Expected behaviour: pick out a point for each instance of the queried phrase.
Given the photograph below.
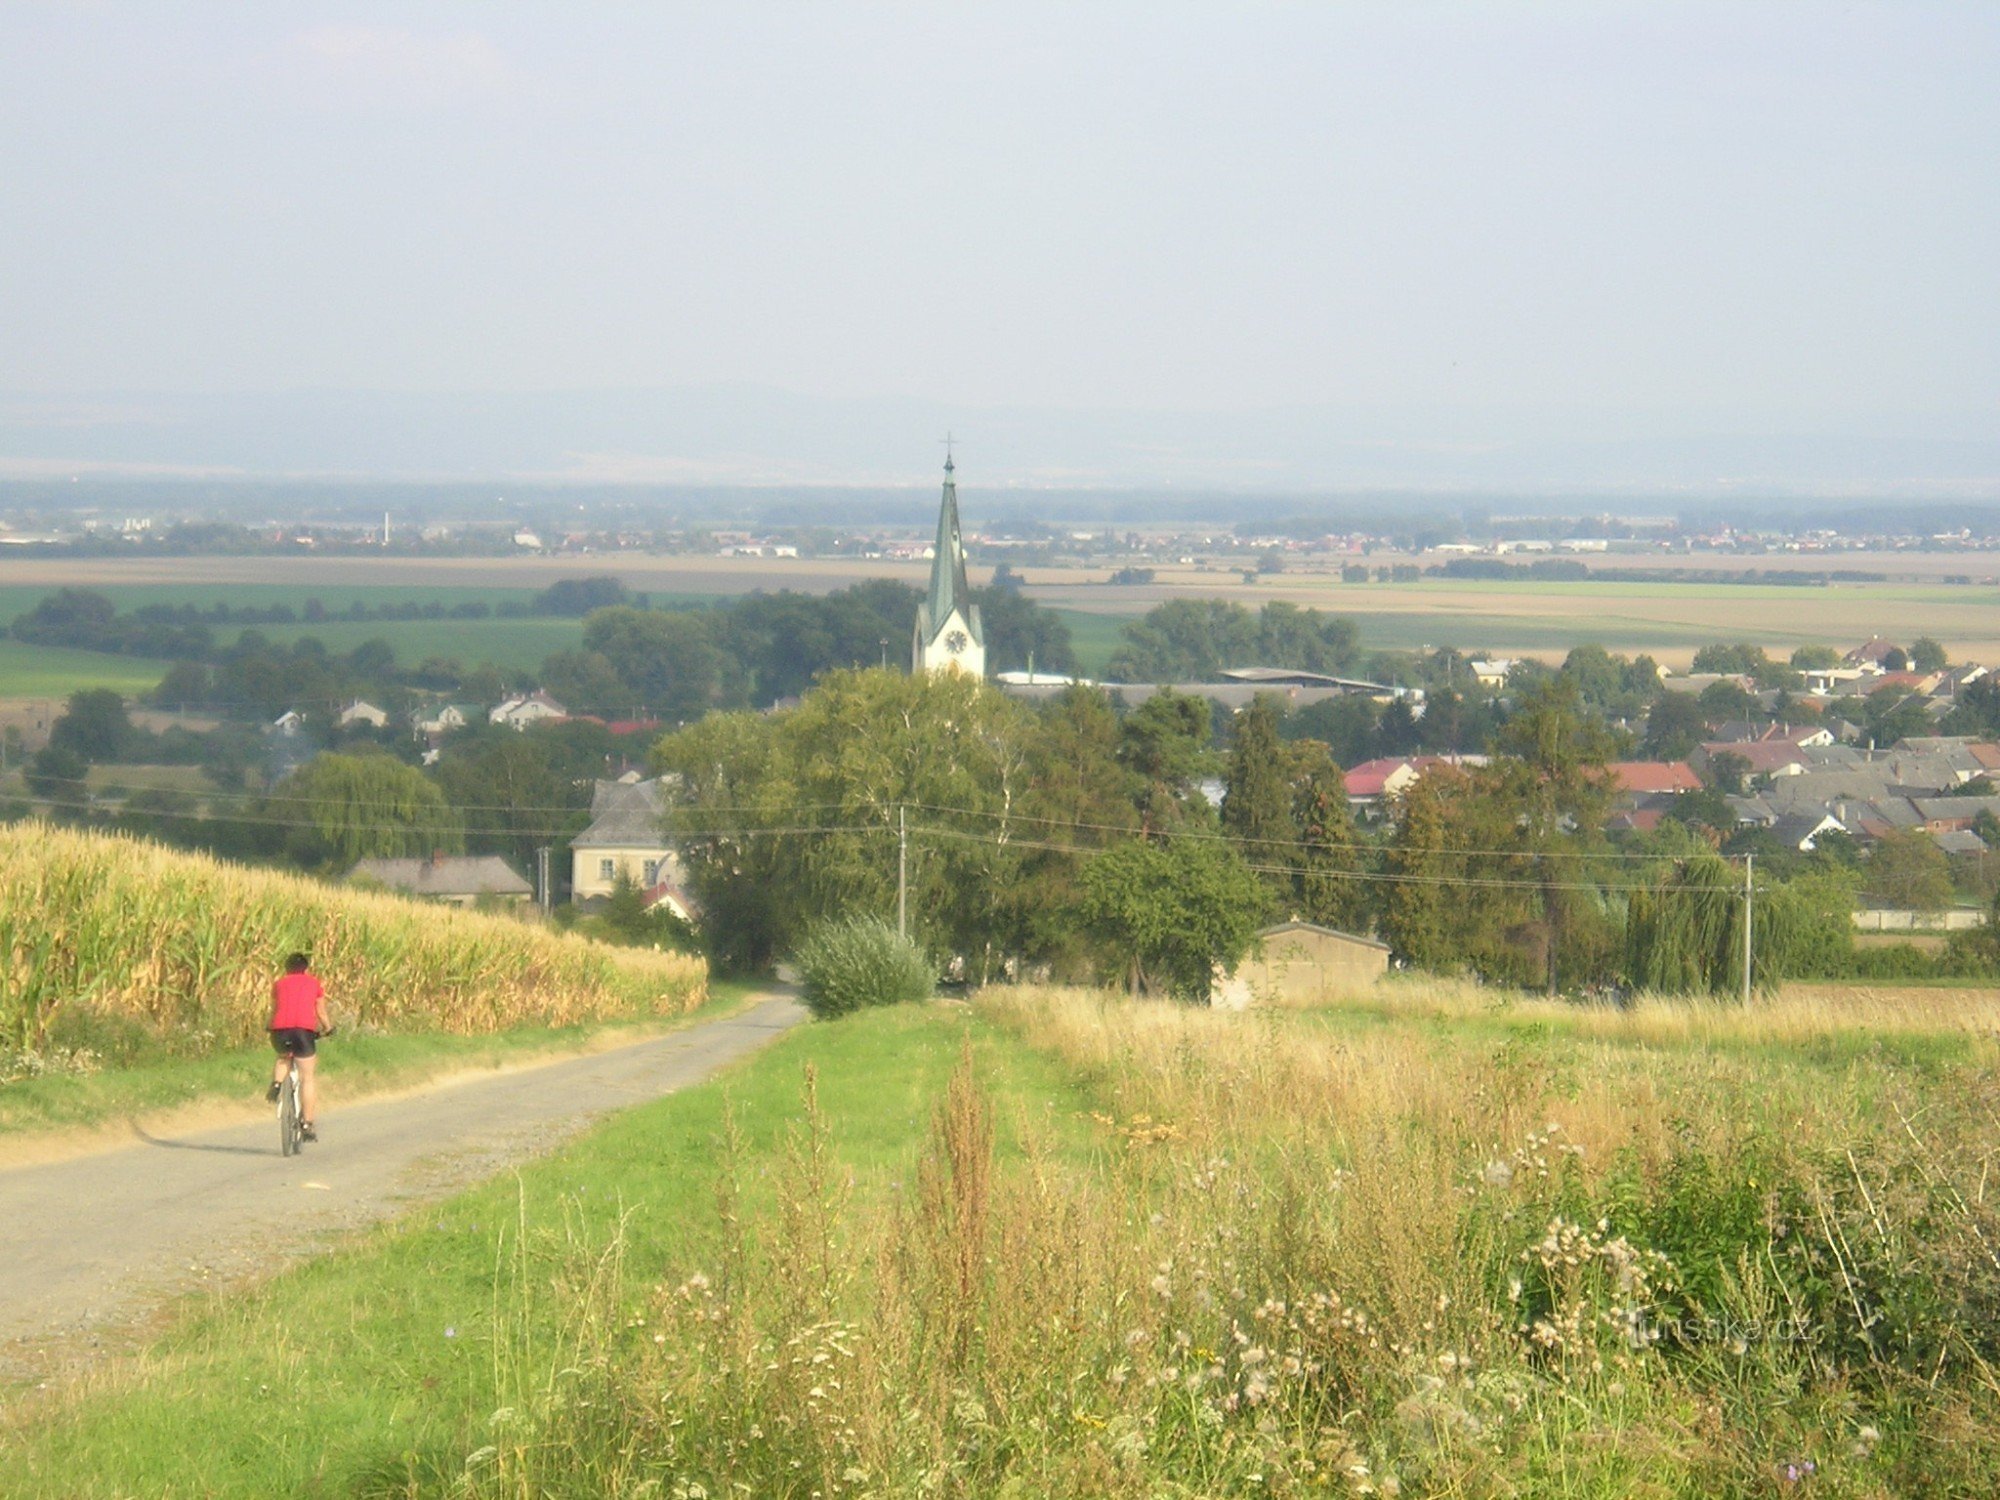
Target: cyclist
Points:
(298, 1017)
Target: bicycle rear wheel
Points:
(288, 1116)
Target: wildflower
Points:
(1497, 1173)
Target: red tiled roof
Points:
(1646, 776)
(1370, 777)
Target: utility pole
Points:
(1749, 885)
(902, 872)
(542, 877)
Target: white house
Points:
(519, 713)
(361, 711)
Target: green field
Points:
(55, 672)
(1093, 637)
(513, 645)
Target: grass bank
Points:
(1064, 1244)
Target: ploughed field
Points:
(1430, 1240)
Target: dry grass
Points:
(1425, 1253)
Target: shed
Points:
(1302, 963)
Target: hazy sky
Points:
(1595, 219)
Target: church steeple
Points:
(949, 633)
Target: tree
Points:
(1020, 631)
(1168, 913)
(1079, 798)
(790, 819)
(512, 798)
(1328, 888)
(1725, 773)
(1815, 658)
(1185, 640)
(1675, 726)
(1346, 725)
(579, 596)
(345, 808)
(1165, 743)
(1926, 655)
(1891, 716)
(94, 725)
(669, 661)
(1723, 700)
(1684, 935)
(56, 775)
(1558, 782)
(1977, 711)
(1257, 799)
(1908, 872)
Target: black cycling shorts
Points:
(298, 1041)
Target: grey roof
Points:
(449, 875)
(1752, 809)
(1957, 807)
(1894, 812)
(1960, 841)
(1798, 830)
(624, 813)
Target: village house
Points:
(626, 840)
(531, 708)
(361, 711)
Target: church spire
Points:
(949, 589)
(949, 631)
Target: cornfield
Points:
(188, 946)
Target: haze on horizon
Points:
(1265, 245)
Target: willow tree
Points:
(1684, 933)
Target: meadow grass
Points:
(1065, 1244)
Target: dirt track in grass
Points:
(90, 1247)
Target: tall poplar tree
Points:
(1257, 802)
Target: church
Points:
(950, 636)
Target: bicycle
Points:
(291, 1114)
(291, 1108)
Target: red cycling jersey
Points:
(295, 1003)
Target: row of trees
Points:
(1077, 841)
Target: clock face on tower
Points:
(956, 642)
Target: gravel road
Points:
(89, 1247)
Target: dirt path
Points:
(89, 1247)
